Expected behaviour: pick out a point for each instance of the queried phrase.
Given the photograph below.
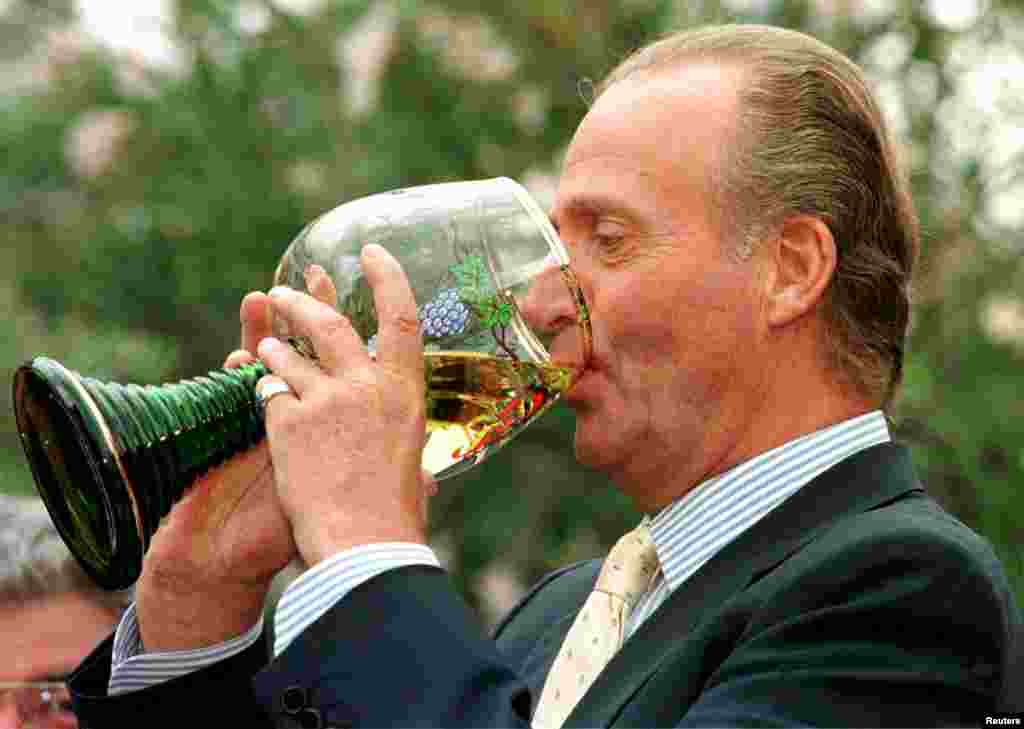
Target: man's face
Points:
(677, 318)
(43, 640)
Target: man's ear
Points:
(800, 263)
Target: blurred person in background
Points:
(744, 237)
(51, 616)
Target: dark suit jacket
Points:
(857, 602)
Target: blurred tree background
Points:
(143, 192)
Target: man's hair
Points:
(810, 139)
(35, 563)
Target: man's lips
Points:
(580, 389)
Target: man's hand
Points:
(347, 442)
(209, 567)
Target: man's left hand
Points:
(346, 444)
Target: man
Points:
(744, 241)
(51, 616)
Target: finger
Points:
(399, 342)
(272, 388)
(320, 285)
(238, 358)
(300, 373)
(334, 340)
(257, 319)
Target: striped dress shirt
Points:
(686, 534)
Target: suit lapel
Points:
(862, 482)
(533, 632)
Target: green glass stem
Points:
(110, 460)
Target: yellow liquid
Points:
(477, 402)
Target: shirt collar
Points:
(691, 530)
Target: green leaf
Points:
(504, 314)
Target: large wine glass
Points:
(505, 332)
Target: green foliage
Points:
(138, 206)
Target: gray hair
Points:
(35, 562)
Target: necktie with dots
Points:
(599, 628)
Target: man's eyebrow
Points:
(594, 204)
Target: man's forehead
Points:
(50, 635)
(650, 133)
(697, 86)
(695, 101)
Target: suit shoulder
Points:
(910, 549)
(906, 575)
(912, 530)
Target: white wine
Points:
(477, 402)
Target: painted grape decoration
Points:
(444, 316)
(448, 313)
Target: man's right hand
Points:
(208, 569)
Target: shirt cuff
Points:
(132, 669)
(318, 589)
(305, 600)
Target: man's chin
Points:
(585, 392)
(591, 444)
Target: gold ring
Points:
(268, 389)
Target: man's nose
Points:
(555, 311)
(548, 305)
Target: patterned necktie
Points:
(599, 628)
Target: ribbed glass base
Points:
(110, 460)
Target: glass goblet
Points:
(505, 332)
(504, 326)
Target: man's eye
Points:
(608, 229)
(608, 242)
(608, 237)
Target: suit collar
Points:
(863, 482)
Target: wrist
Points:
(173, 616)
(324, 540)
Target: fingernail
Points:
(278, 291)
(268, 345)
(373, 250)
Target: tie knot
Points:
(629, 567)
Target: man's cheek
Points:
(650, 355)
